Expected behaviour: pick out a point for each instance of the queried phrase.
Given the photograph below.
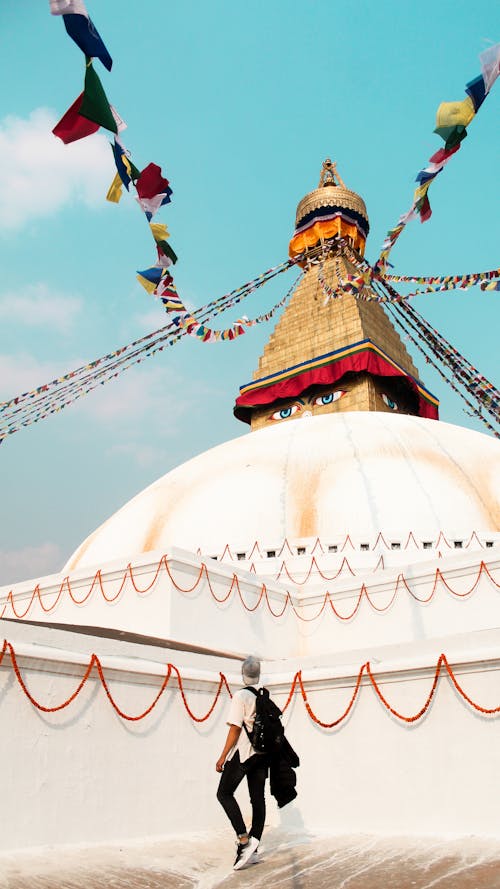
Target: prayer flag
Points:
(159, 230)
(153, 274)
(425, 210)
(163, 260)
(126, 169)
(119, 154)
(452, 136)
(152, 205)
(95, 105)
(82, 30)
(115, 190)
(153, 190)
(476, 89)
(151, 182)
(148, 285)
(426, 175)
(73, 126)
(60, 7)
(449, 114)
(490, 65)
(165, 247)
(443, 155)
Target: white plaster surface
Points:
(399, 604)
(357, 473)
(84, 774)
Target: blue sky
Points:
(239, 104)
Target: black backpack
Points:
(267, 734)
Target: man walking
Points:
(243, 761)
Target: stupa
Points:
(358, 474)
(355, 551)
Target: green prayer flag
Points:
(95, 105)
(165, 247)
(452, 136)
(134, 172)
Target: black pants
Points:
(255, 768)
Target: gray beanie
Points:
(250, 670)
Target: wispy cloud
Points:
(22, 372)
(29, 561)
(141, 392)
(140, 413)
(40, 175)
(37, 305)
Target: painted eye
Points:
(389, 402)
(285, 412)
(329, 397)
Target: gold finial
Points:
(329, 174)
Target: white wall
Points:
(85, 775)
(196, 618)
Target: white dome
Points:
(346, 473)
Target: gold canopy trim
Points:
(327, 196)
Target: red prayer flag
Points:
(74, 126)
(425, 210)
(443, 154)
(151, 183)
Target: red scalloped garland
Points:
(365, 669)
(235, 584)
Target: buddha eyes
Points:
(389, 402)
(329, 397)
(285, 412)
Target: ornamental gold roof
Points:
(331, 191)
(327, 196)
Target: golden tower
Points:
(332, 351)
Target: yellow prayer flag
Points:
(150, 286)
(159, 230)
(115, 190)
(452, 114)
(421, 190)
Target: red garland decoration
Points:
(297, 681)
(235, 584)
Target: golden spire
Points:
(329, 354)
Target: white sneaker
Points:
(245, 853)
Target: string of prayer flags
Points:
(443, 279)
(355, 284)
(43, 401)
(452, 120)
(92, 110)
(170, 298)
(490, 285)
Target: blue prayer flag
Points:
(82, 30)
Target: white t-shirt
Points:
(242, 710)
